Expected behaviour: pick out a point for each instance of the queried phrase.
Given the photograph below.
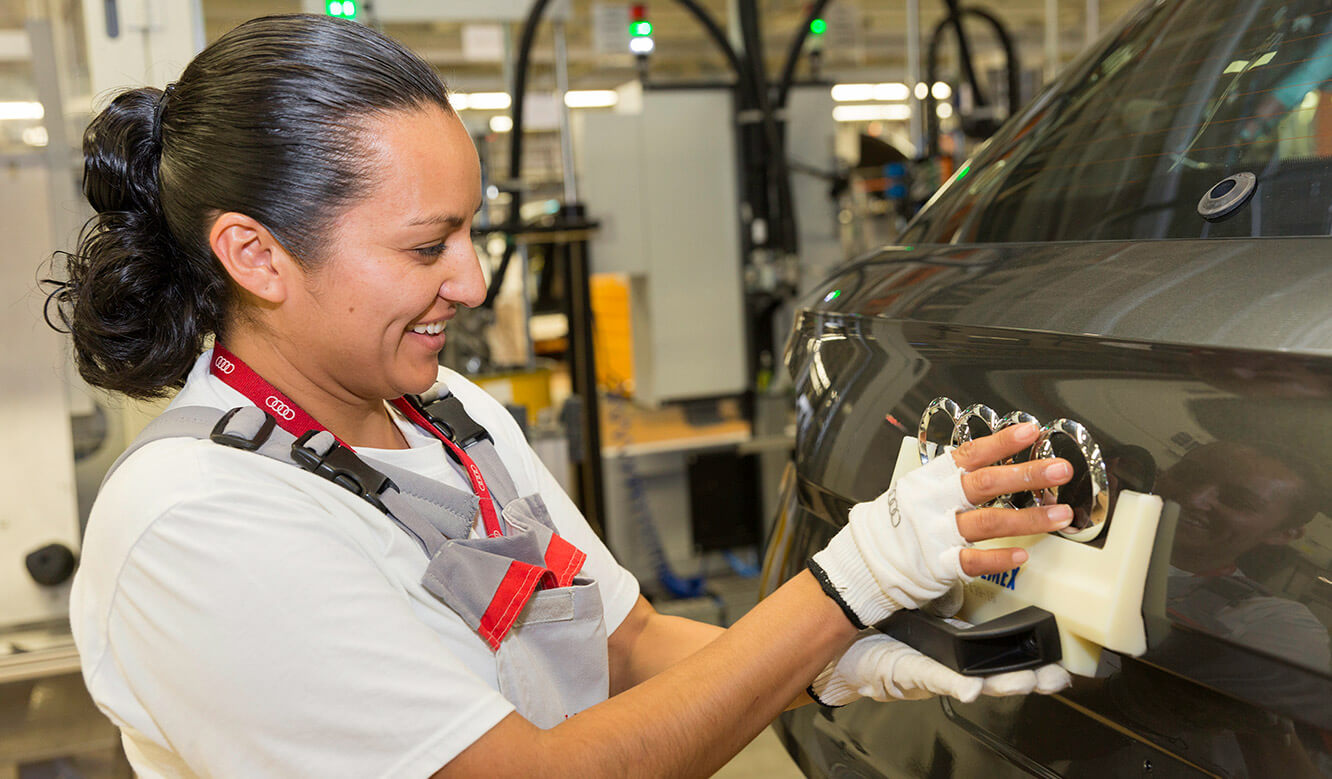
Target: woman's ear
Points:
(252, 256)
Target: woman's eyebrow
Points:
(452, 220)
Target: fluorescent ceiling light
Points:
(944, 110)
(480, 101)
(922, 91)
(852, 93)
(36, 136)
(21, 109)
(941, 91)
(870, 113)
(591, 98)
(501, 124)
(889, 91)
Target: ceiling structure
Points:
(866, 40)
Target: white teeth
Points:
(434, 328)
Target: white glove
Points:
(899, 551)
(884, 669)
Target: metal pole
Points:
(1051, 39)
(583, 372)
(913, 76)
(566, 136)
(525, 268)
(63, 202)
(1093, 21)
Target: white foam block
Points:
(1094, 593)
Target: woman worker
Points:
(342, 579)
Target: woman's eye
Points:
(432, 251)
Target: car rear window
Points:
(1181, 96)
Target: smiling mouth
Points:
(429, 328)
(1194, 521)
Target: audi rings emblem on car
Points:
(979, 420)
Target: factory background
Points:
(660, 200)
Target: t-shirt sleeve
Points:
(266, 645)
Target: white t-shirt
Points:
(236, 616)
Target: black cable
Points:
(516, 144)
(954, 18)
(718, 37)
(1012, 66)
(525, 44)
(793, 54)
(779, 183)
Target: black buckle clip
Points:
(453, 421)
(221, 436)
(344, 468)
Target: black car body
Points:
(1066, 271)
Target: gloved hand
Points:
(901, 550)
(907, 547)
(884, 669)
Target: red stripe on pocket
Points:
(517, 586)
(563, 562)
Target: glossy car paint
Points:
(1203, 367)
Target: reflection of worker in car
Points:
(1289, 93)
(1234, 498)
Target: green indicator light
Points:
(831, 296)
(640, 29)
(818, 26)
(349, 9)
(334, 8)
(961, 174)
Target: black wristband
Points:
(815, 697)
(831, 591)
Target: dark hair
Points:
(264, 122)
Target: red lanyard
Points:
(290, 417)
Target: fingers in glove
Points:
(946, 605)
(917, 672)
(1052, 678)
(983, 484)
(1011, 683)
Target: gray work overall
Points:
(520, 591)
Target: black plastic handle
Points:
(1027, 638)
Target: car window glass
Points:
(1135, 134)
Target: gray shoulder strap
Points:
(425, 508)
(447, 412)
(182, 422)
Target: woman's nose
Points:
(1204, 497)
(468, 286)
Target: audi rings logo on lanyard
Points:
(276, 405)
(979, 420)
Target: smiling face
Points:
(367, 321)
(1232, 498)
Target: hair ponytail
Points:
(138, 307)
(265, 122)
